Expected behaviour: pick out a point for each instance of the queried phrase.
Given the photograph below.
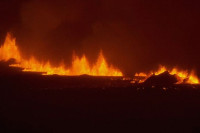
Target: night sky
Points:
(134, 35)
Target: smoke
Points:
(134, 35)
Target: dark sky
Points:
(134, 35)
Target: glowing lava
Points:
(80, 66)
(182, 76)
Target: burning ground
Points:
(81, 66)
(179, 76)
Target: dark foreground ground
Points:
(35, 103)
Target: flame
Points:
(80, 66)
(9, 49)
(182, 76)
(141, 74)
(160, 70)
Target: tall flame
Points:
(79, 66)
(9, 49)
(182, 76)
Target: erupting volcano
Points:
(93, 66)
(80, 66)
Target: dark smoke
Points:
(135, 35)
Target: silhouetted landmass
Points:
(30, 102)
(163, 79)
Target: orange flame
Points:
(141, 74)
(79, 65)
(182, 76)
(9, 49)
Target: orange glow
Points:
(141, 74)
(182, 76)
(9, 49)
(79, 65)
(160, 70)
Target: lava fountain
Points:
(80, 66)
